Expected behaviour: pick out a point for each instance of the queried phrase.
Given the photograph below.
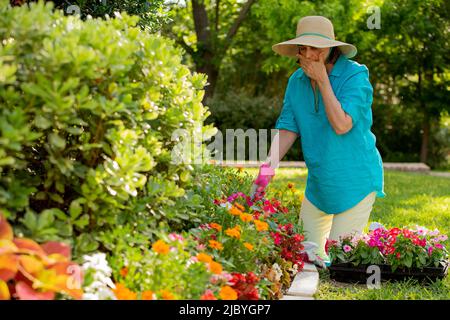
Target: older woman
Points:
(327, 104)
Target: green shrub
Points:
(88, 109)
(238, 110)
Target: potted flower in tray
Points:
(400, 253)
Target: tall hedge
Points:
(87, 111)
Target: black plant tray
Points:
(347, 272)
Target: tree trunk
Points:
(211, 50)
(425, 138)
(213, 74)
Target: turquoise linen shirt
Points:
(342, 169)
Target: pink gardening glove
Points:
(265, 175)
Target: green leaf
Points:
(408, 261)
(41, 122)
(45, 219)
(56, 141)
(75, 208)
(30, 220)
(86, 243)
(82, 221)
(56, 197)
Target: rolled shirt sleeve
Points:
(356, 95)
(286, 120)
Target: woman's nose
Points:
(308, 53)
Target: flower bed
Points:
(399, 253)
(248, 250)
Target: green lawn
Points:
(411, 198)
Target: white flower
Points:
(226, 205)
(100, 288)
(277, 270)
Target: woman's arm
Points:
(340, 121)
(281, 144)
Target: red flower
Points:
(208, 295)
(252, 278)
(330, 243)
(406, 233)
(277, 238)
(244, 285)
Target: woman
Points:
(327, 104)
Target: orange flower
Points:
(261, 225)
(147, 295)
(234, 211)
(290, 185)
(124, 272)
(246, 217)
(161, 247)
(203, 257)
(123, 293)
(167, 295)
(228, 293)
(233, 232)
(239, 206)
(215, 245)
(215, 267)
(249, 246)
(216, 226)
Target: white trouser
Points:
(318, 226)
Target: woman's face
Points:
(312, 52)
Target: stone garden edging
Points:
(305, 284)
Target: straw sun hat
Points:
(314, 31)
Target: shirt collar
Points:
(336, 71)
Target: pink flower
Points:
(430, 251)
(201, 247)
(174, 236)
(347, 248)
(439, 246)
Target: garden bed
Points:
(348, 273)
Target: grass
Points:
(411, 198)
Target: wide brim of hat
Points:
(289, 48)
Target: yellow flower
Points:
(167, 295)
(161, 247)
(234, 211)
(215, 245)
(216, 226)
(147, 295)
(246, 217)
(239, 206)
(228, 293)
(203, 257)
(233, 232)
(215, 267)
(290, 185)
(261, 225)
(123, 293)
(249, 246)
(301, 197)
